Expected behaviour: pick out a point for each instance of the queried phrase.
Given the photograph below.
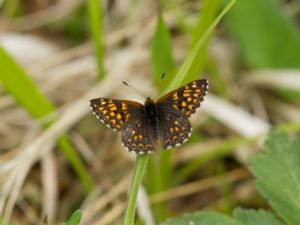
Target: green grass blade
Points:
(205, 18)
(18, 84)
(161, 54)
(26, 93)
(185, 69)
(95, 12)
(140, 166)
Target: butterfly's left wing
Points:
(115, 113)
(186, 99)
(136, 135)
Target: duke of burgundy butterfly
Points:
(163, 122)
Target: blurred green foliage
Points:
(266, 37)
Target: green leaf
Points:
(253, 217)
(75, 218)
(23, 89)
(161, 53)
(266, 38)
(278, 175)
(203, 218)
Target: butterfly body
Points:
(164, 121)
(151, 111)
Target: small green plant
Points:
(74, 219)
(277, 172)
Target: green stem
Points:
(140, 166)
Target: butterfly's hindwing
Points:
(175, 129)
(137, 136)
(186, 99)
(114, 113)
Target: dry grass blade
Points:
(198, 186)
(143, 207)
(54, 13)
(91, 209)
(49, 180)
(235, 117)
(111, 215)
(289, 79)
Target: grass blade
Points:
(185, 69)
(161, 54)
(27, 94)
(95, 12)
(205, 18)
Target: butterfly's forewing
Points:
(174, 109)
(136, 135)
(129, 117)
(174, 127)
(186, 99)
(115, 113)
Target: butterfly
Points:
(163, 122)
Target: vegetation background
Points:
(55, 157)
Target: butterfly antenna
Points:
(158, 83)
(125, 83)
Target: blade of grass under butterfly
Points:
(141, 161)
(22, 88)
(205, 18)
(95, 12)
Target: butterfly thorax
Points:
(151, 111)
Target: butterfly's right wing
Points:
(186, 99)
(174, 128)
(115, 113)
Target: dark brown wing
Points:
(137, 137)
(115, 113)
(174, 128)
(186, 99)
(130, 118)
